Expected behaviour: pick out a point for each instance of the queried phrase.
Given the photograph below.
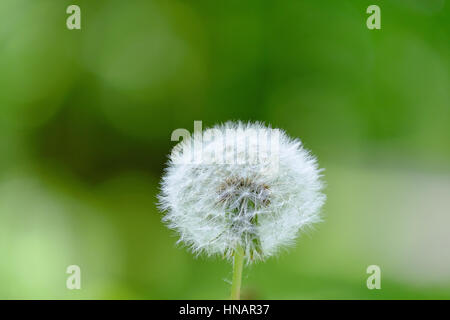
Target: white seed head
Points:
(240, 185)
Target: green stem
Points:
(238, 262)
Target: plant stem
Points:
(238, 262)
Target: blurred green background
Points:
(85, 124)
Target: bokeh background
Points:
(86, 117)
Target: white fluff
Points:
(241, 185)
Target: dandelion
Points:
(241, 191)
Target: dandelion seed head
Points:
(240, 185)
